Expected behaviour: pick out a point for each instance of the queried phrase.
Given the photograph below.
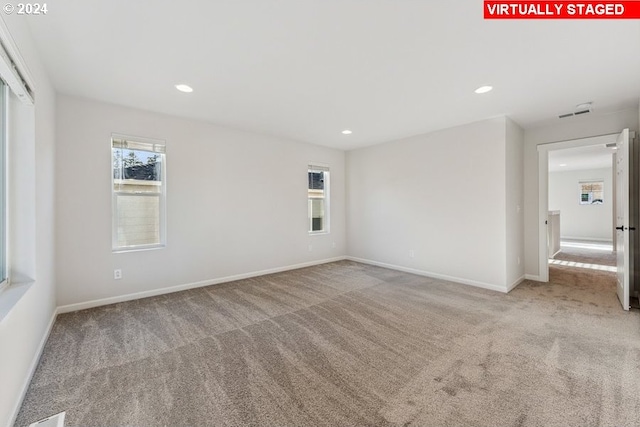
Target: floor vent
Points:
(56, 420)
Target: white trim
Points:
(556, 253)
(154, 292)
(475, 283)
(139, 248)
(533, 277)
(543, 213)
(594, 239)
(32, 367)
(10, 295)
(133, 138)
(516, 283)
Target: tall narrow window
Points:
(139, 189)
(4, 274)
(318, 195)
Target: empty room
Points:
(319, 213)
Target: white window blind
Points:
(14, 78)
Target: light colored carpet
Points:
(346, 344)
(586, 255)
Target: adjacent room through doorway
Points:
(589, 213)
(581, 207)
(581, 198)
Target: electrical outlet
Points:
(412, 253)
(117, 274)
(518, 260)
(333, 245)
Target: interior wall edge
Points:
(32, 368)
(515, 283)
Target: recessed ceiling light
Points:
(184, 88)
(484, 89)
(563, 164)
(346, 132)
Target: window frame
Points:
(325, 170)
(5, 275)
(161, 195)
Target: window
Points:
(318, 195)
(139, 188)
(16, 194)
(591, 192)
(4, 274)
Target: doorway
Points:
(581, 202)
(584, 254)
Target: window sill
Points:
(138, 249)
(10, 296)
(317, 233)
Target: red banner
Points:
(562, 10)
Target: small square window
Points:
(591, 192)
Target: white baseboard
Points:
(475, 283)
(594, 239)
(32, 367)
(154, 292)
(516, 283)
(533, 277)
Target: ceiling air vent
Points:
(580, 109)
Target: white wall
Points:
(441, 195)
(514, 178)
(31, 229)
(236, 203)
(567, 129)
(588, 222)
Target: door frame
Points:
(543, 191)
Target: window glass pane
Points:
(316, 180)
(138, 219)
(317, 214)
(137, 171)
